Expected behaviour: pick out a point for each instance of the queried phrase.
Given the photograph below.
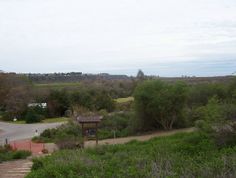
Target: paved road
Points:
(22, 131)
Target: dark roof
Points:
(89, 119)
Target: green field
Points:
(52, 120)
(57, 85)
(48, 120)
(180, 155)
(124, 100)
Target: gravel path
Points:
(139, 138)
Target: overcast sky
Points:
(162, 37)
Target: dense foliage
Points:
(217, 120)
(159, 103)
(116, 125)
(15, 94)
(181, 155)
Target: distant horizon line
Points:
(106, 73)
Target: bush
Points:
(69, 143)
(158, 103)
(20, 154)
(32, 116)
(217, 120)
(225, 135)
(62, 133)
(6, 154)
(118, 124)
(37, 164)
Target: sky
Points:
(161, 37)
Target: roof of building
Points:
(89, 119)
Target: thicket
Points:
(159, 103)
(116, 125)
(165, 105)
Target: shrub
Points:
(118, 124)
(6, 153)
(69, 143)
(20, 154)
(217, 122)
(37, 164)
(62, 133)
(159, 103)
(32, 116)
(225, 134)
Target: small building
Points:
(41, 105)
(89, 125)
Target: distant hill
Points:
(79, 76)
(196, 80)
(72, 77)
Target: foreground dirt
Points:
(139, 138)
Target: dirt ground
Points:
(139, 138)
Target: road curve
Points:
(22, 131)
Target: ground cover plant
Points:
(7, 154)
(180, 155)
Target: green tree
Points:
(58, 102)
(140, 75)
(159, 103)
(15, 93)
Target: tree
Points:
(16, 102)
(104, 101)
(159, 103)
(15, 93)
(58, 102)
(140, 75)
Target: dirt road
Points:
(139, 138)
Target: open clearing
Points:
(124, 100)
(57, 85)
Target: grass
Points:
(48, 120)
(180, 155)
(58, 85)
(124, 100)
(53, 120)
(18, 122)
